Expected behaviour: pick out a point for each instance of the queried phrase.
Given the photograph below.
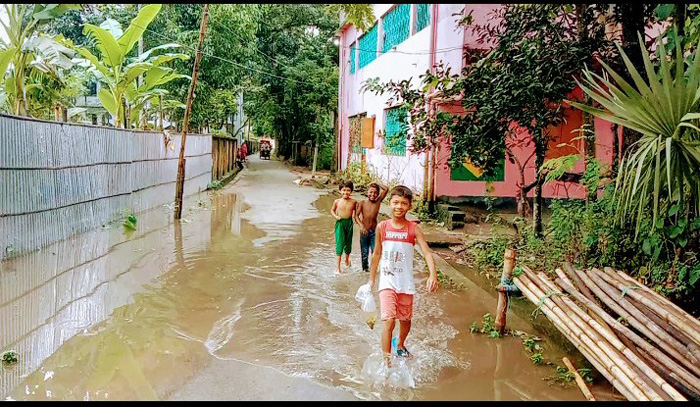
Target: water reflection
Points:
(49, 296)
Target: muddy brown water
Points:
(248, 276)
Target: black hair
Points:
(346, 184)
(373, 185)
(403, 191)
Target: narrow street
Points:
(241, 303)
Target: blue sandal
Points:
(402, 352)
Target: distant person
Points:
(393, 257)
(244, 151)
(343, 211)
(366, 217)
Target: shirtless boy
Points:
(343, 211)
(366, 217)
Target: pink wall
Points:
(563, 133)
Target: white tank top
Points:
(396, 264)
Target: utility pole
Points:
(313, 170)
(180, 185)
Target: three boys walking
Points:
(391, 242)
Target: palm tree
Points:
(663, 166)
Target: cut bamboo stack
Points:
(646, 347)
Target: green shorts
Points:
(343, 236)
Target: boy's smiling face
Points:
(346, 192)
(399, 205)
(372, 194)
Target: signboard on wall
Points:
(368, 132)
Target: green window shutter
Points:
(368, 47)
(422, 16)
(396, 26)
(353, 50)
(396, 129)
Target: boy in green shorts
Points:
(343, 210)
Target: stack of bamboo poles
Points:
(647, 347)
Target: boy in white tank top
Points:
(393, 257)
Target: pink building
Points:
(407, 40)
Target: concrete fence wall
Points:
(60, 179)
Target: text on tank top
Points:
(396, 264)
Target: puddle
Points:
(251, 278)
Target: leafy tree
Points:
(26, 48)
(297, 87)
(228, 52)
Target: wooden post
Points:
(579, 380)
(508, 265)
(180, 185)
(214, 150)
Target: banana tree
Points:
(23, 46)
(138, 97)
(118, 72)
(664, 165)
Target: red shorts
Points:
(395, 305)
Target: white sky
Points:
(3, 16)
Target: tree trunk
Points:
(180, 185)
(537, 207)
(334, 165)
(632, 23)
(616, 151)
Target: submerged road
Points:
(240, 302)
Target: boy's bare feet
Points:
(338, 270)
(347, 261)
(387, 359)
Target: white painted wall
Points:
(410, 59)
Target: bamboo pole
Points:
(604, 292)
(678, 334)
(633, 314)
(584, 331)
(653, 301)
(579, 380)
(661, 300)
(180, 185)
(587, 353)
(671, 377)
(570, 281)
(673, 331)
(576, 281)
(670, 318)
(644, 371)
(523, 284)
(506, 276)
(668, 364)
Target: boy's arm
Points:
(432, 283)
(356, 214)
(376, 256)
(383, 190)
(333, 208)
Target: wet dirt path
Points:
(240, 301)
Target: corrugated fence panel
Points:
(60, 179)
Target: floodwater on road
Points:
(247, 277)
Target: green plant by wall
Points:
(10, 357)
